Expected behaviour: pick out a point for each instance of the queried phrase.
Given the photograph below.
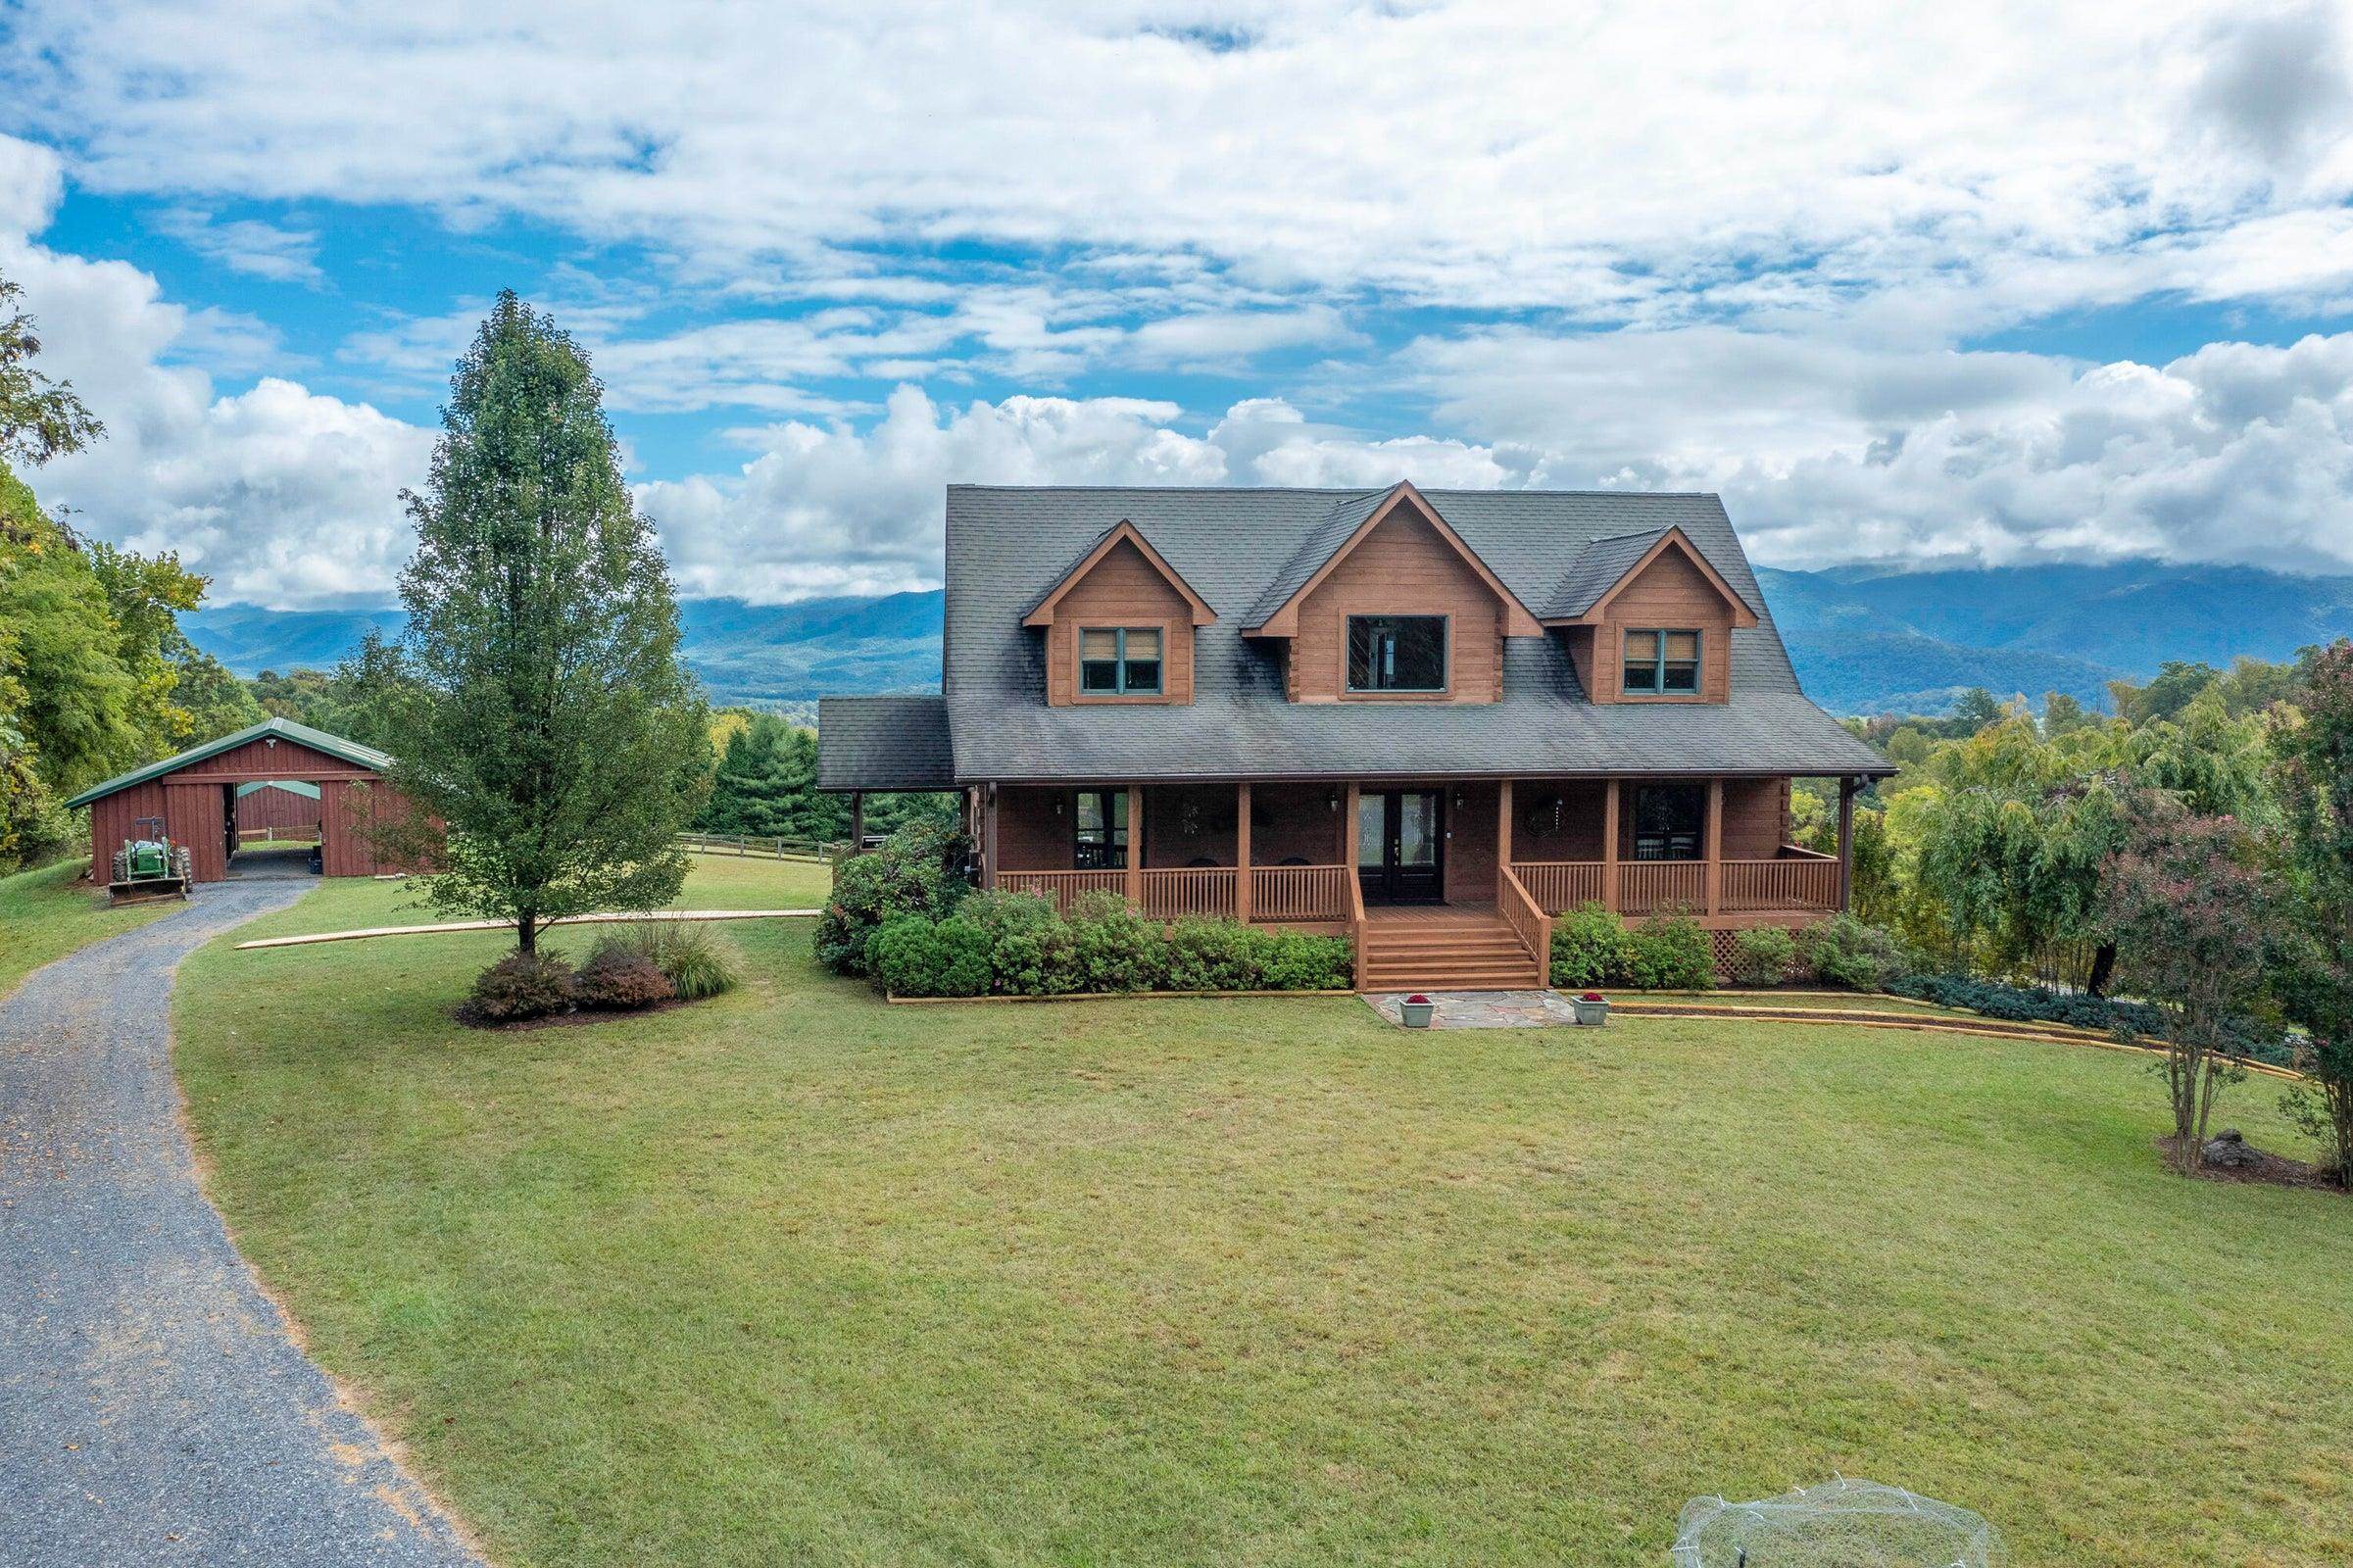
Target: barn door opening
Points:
(274, 828)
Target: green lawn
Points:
(46, 914)
(794, 1276)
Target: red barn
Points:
(197, 797)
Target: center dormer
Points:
(1386, 604)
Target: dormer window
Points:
(1396, 653)
(1662, 662)
(1119, 662)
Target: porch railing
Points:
(1173, 893)
(1558, 885)
(1795, 881)
(1063, 887)
(1299, 892)
(1534, 926)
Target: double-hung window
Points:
(1119, 662)
(1662, 664)
(1396, 653)
(1100, 840)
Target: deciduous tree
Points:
(537, 710)
(2314, 777)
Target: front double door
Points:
(1400, 845)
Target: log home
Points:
(1434, 720)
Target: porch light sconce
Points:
(1332, 802)
(1057, 807)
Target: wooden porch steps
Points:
(1450, 950)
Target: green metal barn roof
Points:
(292, 786)
(318, 740)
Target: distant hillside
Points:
(767, 653)
(1864, 639)
(1870, 640)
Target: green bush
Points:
(915, 957)
(1763, 956)
(1670, 953)
(1300, 961)
(519, 986)
(618, 977)
(2079, 1010)
(1851, 953)
(1118, 948)
(916, 871)
(1205, 954)
(1590, 948)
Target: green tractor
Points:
(151, 865)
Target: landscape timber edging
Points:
(897, 1001)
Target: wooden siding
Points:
(1122, 589)
(1188, 822)
(1403, 568)
(271, 757)
(1470, 844)
(1672, 594)
(114, 818)
(271, 806)
(1030, 837)
(1756, 817)
(199, 821)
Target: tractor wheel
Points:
(122, 866)
(183, 866)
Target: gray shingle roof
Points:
(883, 743)
(1238, 548)
(1598, 569)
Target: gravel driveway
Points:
(153, 1408)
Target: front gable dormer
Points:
(1386, 603)
(1649, 619)
(1119, 625)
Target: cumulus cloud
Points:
(1644, 163)
(284, 497)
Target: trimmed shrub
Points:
(1762, 956)
(1300, 961)
(697, 960)
(519, 986)
(618, 977)
(1590, 948)
(1117, 949)
(1670, 953)
(1853, 953)
(916, 871)
(1207, 955)
(914, 956)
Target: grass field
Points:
(795, 1276)
(46, 914)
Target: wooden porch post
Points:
(1609, 847)
(1502, 832)
(1715, 845)
(988, 835)
(1845, 844)
(1135, 844)
(1241, 853)
(1347, 829)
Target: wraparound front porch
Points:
(1715, 849)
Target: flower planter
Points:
(1415, 1011)
(1592, 1010)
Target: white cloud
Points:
(1651, 161)
(246, 244)
(282, 496)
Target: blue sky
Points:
(2003, 285)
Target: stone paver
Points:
(154, 1407)
(1481, 1009)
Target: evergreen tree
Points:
(545, 735)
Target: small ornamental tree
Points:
(2313, 774)
(2187, 899)
(543, 732)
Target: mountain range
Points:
(1865, 639)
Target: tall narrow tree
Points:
(546, 739)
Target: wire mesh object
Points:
(1839, 1524)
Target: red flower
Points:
(1592, 996)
